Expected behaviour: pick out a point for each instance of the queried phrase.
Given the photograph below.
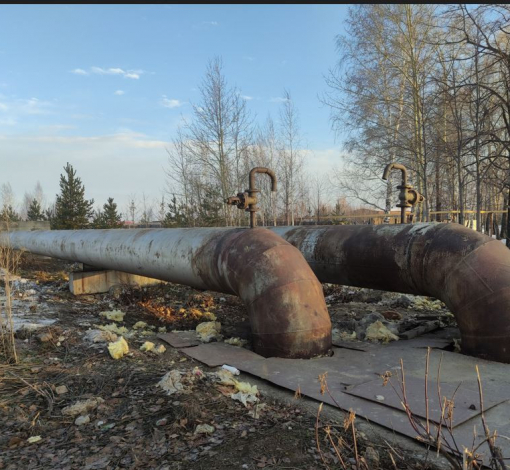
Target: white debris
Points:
(80, 420)
(82, 407)
(236, 342)
(100, 336)
(208, 330)
(61, 389)
(204, 429)
(231, 369)
(244, 398)
(34, 439)
(378, 332)
(171, 382)
(225, 377)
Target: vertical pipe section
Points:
(468, 271)
(285, 302)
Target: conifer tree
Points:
(110, 216)
(72, 210)
(34, 211)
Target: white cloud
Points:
(79, 72)
(119, 92)
(127, 160)
(210, 23)
(278, 99)
(133, 74)
(34, 106)
(14, 108)
(170, 103)
(246, 97)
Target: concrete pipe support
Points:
(468, 271)
(285, 302)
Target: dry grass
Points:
(441, 435)
(9, 264)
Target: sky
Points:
(105, 87)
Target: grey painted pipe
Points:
(468, 271)
(285, 302)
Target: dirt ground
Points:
(132, 422)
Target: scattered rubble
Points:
(147, 346)
(379, 332)
(100, 336)
(61, 390)
(113, 315)
(160, 349)
(82, 407)
(114, 328)
(171, 382)
(81, 420)
(152, 417)
(204, 429)
(236, 342)
(140, 325)
(118, 349)
(208, 331)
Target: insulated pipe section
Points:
(468, 271)
(285, 302)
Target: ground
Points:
(134, 423)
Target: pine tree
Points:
(34, 211)
(98, 220)
(175, 216)
(72, 210)
(110, 216)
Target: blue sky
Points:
(104, 87)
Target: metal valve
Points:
(408, 196)
(248, 199)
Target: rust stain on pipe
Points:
(285, 302)
(468, 271)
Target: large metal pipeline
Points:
(468, 271)
(285, 302)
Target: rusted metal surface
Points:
(356, 371)
(467, 402)
(248, 199)
(468, 271)
(180, 339)
(285, 302)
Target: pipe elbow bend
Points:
(284, 298)
(477, 290)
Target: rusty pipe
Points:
(395, 166)
(267, 171)
(284, 299)
(468, 271)
(252, 191)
